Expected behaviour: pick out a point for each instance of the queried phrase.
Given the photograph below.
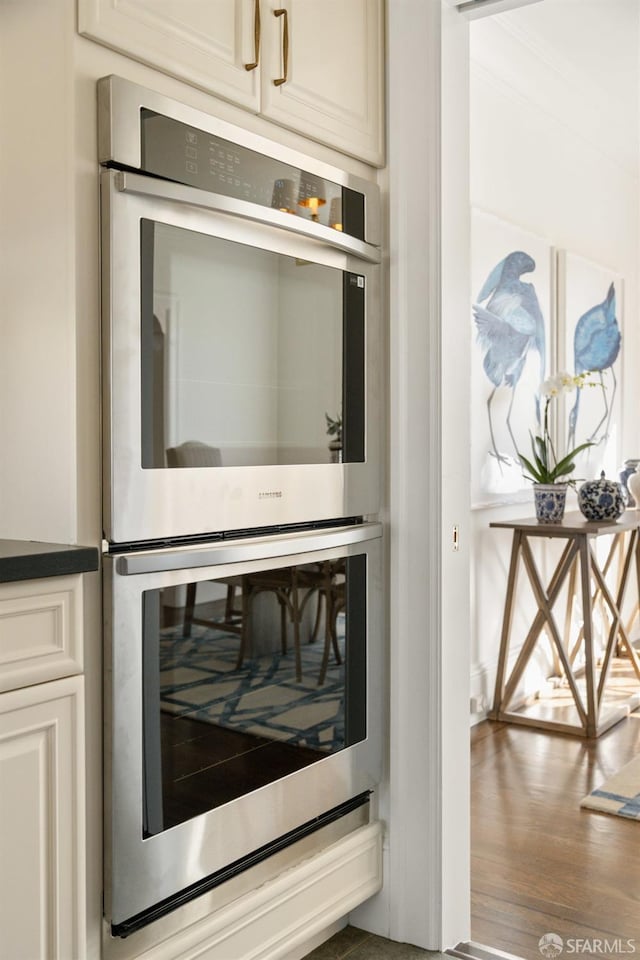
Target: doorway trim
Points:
(428, 877)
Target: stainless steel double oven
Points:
(242, 573)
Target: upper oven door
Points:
(242, 360)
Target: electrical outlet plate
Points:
(478, 704)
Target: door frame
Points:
(427, 883)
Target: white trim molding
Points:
(427, 885)
(284, 918)
(415, 815)
(474, 9)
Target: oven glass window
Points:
(248, 679)
(248, 357)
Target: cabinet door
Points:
(42, 892)
(335, 72)
(205, 42)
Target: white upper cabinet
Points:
(333, 63)
(314, 66)
(205, 42)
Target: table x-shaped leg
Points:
(618, 633)
(545, 599)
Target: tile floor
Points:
(353, 944)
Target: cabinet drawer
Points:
(40, 630)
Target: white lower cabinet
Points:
(42, 879)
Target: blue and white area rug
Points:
(620, 794)
(198, 678)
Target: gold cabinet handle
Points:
(285, 46)
(256, 37)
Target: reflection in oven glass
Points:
(246, 680)
(242, 352)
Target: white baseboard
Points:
(287, 917)
(482, 684)
(374, 915)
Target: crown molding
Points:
(475, 9)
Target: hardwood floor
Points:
(540, 863)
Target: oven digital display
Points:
(176, 151)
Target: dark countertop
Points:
(32, 560)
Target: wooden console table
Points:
(578, 559)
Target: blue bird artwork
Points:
(596, 347)
(509, 325)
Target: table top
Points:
(572, 524)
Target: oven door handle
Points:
(140, 185)
(258, 548)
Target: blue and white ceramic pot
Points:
(601, 499)
(633, 484)
(628, 470)
(549, 500)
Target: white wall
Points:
(555, 150)
(37, 274)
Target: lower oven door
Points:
(243, 704)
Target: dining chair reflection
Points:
(293, 588)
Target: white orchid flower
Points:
(562, 382)
(545, 466)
